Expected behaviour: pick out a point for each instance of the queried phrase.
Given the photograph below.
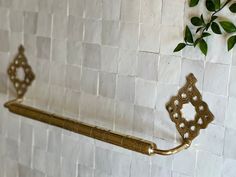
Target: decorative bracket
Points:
(189, 94)
(20, 61)
(187, 129)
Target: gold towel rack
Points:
(187, 129)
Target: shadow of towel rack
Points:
(187, 129)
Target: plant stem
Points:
(204, 29)
(228, 1)
(188, 44)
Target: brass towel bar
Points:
(125, 141)
(187, 129)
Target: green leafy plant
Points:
(205, 28)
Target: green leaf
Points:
(193, 3)
(197, 41)
(210, 5)
(229, 27)
(205, 34)
(198, 29)
(203, 21)
(196, 21)
(179, 47)
(188, 35)
(217, 4)
(208, 25)
(203, 46)
(213, 18)
(215, 28)
(232, 8)
(231, 42)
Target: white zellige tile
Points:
(218, 106)
(216, 75)
(130, 10)
(16, 21)
(139, 167)
(232, 84)
(93, 9)
(109, 59)
(110, 33)
(111, 9)
(173, 19)
(208, 165)
(124, 117)
(4, 17)
(145, 93)
(195, 67)
(44, 26)
(229, 168)
(4, 36)
(150, 11)
(126, 95)
(229, 144)
(149, 38)
(127, 62)
(84, 171)
(169, 38)
(107, 84)
(211, 139)
(230, 121)
(129, 35)
(76, 7)
(147, 67)
(169, 69)
(92, 31)
(184, 162)
(217, 51)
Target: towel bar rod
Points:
(125, 141)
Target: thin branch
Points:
(228, 1)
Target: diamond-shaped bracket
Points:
(189, 94)
(20, 61)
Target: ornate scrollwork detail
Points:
(20, 61)
(189, 94)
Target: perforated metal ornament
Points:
(189, 94)
(20, 61)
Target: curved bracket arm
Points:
(184, 145)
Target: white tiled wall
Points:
(111, 63)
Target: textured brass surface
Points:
(187, 94)
(125, 141)
(20, 61)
